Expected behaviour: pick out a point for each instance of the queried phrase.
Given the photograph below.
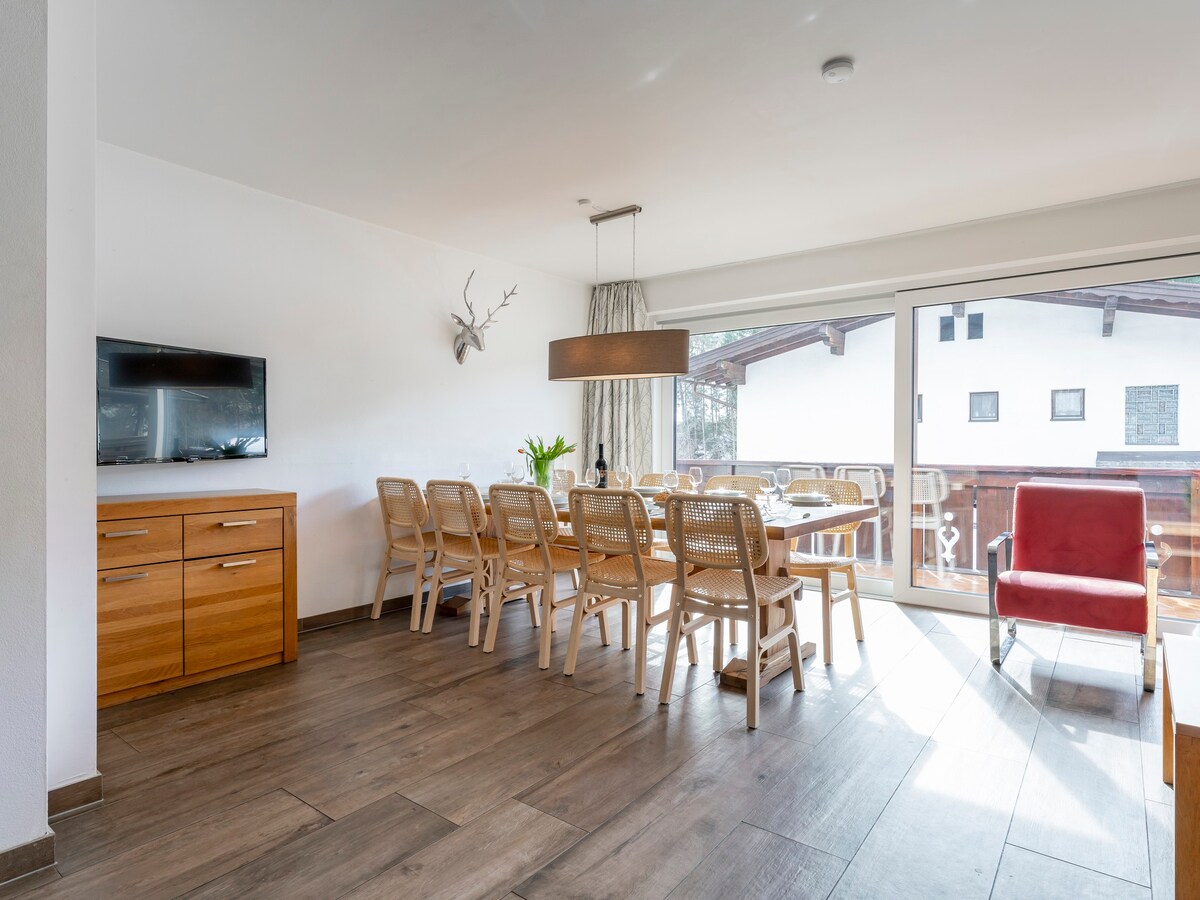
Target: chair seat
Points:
(460, 547)
(562, 559)
(618, 571)
(816, 561)
(1076, 600)
(407, 543)
(722, 586)
(566, 538)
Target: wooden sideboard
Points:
(191, 587)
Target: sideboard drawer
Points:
(233, 609)
(139, 625)
(237, 531)
(139, 542)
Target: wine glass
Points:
(624, 478)
(589, 477)
(783, 477)
(769, 477)
(520, 470)
(697, 475)
(671, 480)
(464, 471)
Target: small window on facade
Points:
(920, 408)
(985, 406)
(974, 326)
(947, 332)
(1152, 414)
(1066, 405)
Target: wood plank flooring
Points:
(390, 764)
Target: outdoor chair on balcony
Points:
(1076, 556)
(930, 489)
(873, 482)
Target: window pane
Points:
(1138, 383)
(974, 326)
(947, 326)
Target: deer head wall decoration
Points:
(471, 335)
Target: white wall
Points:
(1138, 225)
(354, 322)
(71, 394)
(23, 376)
(808, 404)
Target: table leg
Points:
(1168, 727)
(1187, 816)
(778, 660)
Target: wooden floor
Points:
(391, 764)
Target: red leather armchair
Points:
(1077, 555)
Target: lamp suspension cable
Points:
(597, 225)
(633, 265)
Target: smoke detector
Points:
(838, 71)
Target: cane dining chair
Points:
(725, 540)
(655, 479)
(529, 561)
(750, 485)
(821, 567)
(873, 483)
(807, 470)
(405, 515)
(614, 527)
(465, 552)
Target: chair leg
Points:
(497, 605)
(719, 645)
(534, 616)
(640, 653)
(476, 612)
(753, 676)
(547, 594)
(603, 617)
(855, 609)
(577, 618)
(384, 572)
(674, 627)
(548, 608)
(693, 658)
(733, 632)
(1149, 657)
(414, 622)
(626, 624)
(827, 616)
(435, 591)
(794, 644)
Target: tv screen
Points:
(170, 404)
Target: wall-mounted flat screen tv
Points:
(156, 403)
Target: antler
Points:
(470, 308)
(508, 295)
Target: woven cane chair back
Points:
(750, 485)
(457, 507)
(562, 480)
(402, 504)
(612, 522)
(704, 531)
(841, 491)
(655, 479)
(524, 513)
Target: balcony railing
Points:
(980, 500)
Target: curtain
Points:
(617, 413)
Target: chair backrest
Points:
(929, 486)
(749, 485)
(807, 470)
(612, 522)
(1080, 529)
(524, 513)
(840, 490)
(456, 507)
(870, 478)
(655, 479)
(402, 504)
(716, 532)
(562, 480)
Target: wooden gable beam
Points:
(732, 373)
(834, 339)
(1110, 316)
(959, 309)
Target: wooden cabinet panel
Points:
(233, 609)
(139, 625)
(236, 531)
(138, 542)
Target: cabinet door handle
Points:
(235, 524)
(111, 578)
(134, 533)
(242, 562)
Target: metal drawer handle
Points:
(111, 578)
(244, 562)
(235, 524)
(109, 534)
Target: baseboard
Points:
(72, 797)
(351, 613)
(27, 858)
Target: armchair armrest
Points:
(1151, 556)
(1004, 540)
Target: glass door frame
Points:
(906, 304)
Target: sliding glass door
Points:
(1048, 378)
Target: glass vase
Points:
(541, 472)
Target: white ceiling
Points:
(478, 123)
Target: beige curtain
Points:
(617, 413)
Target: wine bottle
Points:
(601, 469)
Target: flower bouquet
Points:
(540, 458)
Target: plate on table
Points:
(725, 492)
(808, 500)
(647, 490)
(560, 500)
